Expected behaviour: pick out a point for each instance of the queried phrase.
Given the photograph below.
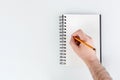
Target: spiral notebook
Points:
(69, 23)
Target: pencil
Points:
(86, 44)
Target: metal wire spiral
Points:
(62, 29)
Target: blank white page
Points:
(90, 24)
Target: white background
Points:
(29, 38)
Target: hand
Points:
(82, 50)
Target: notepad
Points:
(69, 23)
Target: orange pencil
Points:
(81, 41)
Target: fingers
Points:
(89, 36)
(72, 42)
(81, 35)
(78, 33)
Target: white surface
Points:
(29, 36)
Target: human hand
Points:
(83, 51)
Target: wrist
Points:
(92, 60)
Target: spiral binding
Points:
(62, 29)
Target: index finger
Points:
(80, 34)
